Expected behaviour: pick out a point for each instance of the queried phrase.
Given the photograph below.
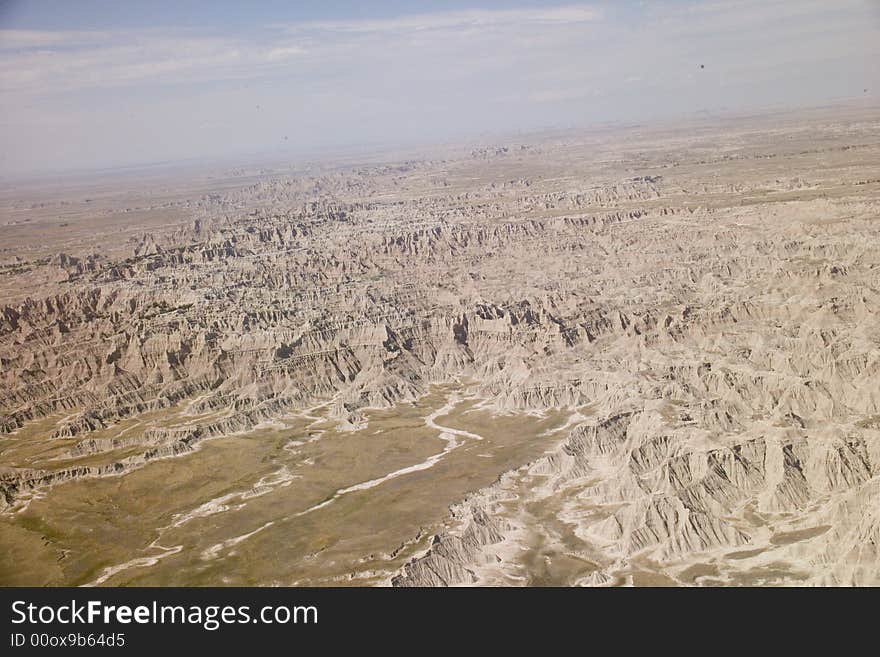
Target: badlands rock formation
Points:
(700, 305)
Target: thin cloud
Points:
(52, 62)
(139, 94)
(21, 39)
(455, 19)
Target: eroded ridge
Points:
(701, 307)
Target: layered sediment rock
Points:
(714, 322)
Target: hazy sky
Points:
(111, 82)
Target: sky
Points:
(103, 83)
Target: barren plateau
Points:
(643, 355)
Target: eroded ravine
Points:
(670, 352)
(237, 536)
